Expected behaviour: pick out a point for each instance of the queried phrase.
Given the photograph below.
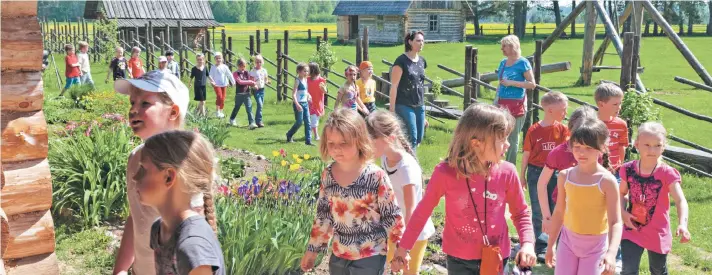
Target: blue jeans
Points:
(533, 173)
(260, 100)
(239, 100)
(86, 79)
(301, 117)
(414, 120)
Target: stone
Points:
(260, 157)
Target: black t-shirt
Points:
(118, 65)
(411, 88)
(201, 77)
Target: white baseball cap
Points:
(162, 59)
(158, 82)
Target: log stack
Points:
(27, 240)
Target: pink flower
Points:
(88, 132)
(224, 190)
(283, 153)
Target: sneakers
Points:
(289, 139)
(541, 257)
(619, 267)
(220, 114)
(233, 122)
(252, 126)
(310, 144)
(260, 125)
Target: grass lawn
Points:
(659, 57)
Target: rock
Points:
(260, 157)
(439, 269)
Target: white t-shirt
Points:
(222, 75)
(408, 172)
(260, 77)
(84, 62)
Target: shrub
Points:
(89, 173)
(77, 92)
(321, 18)
(325, 56)
(638, 108)
(105, 102)
(437, 87)
(232, 168)
(213, 129)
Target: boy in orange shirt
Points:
(72, 71)
(135, 66)
(608, 99)
(541, 138)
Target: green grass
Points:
(83, 252)
(660, 58)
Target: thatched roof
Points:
(161, 13)
(371, 8)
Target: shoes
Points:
(260, 125)
(619, 266)
(252, 126)
(317, 138)
(233, 122)
(221, 114)
(310, 144)
(541, 258)
(289, 139)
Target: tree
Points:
(286, 8)
(709, 23)
(485, 9)
(557, 13)
(520, 18)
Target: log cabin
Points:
(195, 17)
(388, 22)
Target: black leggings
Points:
(631, 260)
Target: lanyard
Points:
(643, 186)
(484, 199)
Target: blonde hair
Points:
(119, 48)
(352, 127)
(164, 98)
(483, 122)
(83, 44)
(191, 156)
(653, 128)
(553, 97)
(513, 41)
(135, 49)
(580, 116)
(606, 91)
(384, 124)
(258, 57)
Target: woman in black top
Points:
(200, 73)
(407, 87)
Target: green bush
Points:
(213, 129)
(638, 108)
(232, 168)
(89, 173)
(77, 92)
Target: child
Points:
(200, 73)
(561, 158)
(301, 104)
(608, 99)
(367, 86)
(163, 65)
(348, 96)
(589, 217)
(159, 103)
(540, 139)
(174, 167)
(72, 71)
(135, 67)
(220, 77)
(356, 203)
(242, 93)
(117, 67)
(404, 172)
(477, 186)
(316, 85)
(646, 187)
(84, 64)
(172, 64)
(261, 78)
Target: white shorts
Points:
(314, 121)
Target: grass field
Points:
(659, 57)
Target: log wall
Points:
(451, 24)
(27, 242)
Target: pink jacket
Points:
(462, 237)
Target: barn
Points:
(388, 22)
(195, 17)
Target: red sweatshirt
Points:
(462, 237)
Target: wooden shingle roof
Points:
(161, 13)
(371, 7)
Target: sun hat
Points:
(158, 82)
(364, 65)
(162, 59)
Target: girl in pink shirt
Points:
(477, 186)
(646, 187)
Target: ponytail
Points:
(606, 160)
(209, 208)
(406, 145)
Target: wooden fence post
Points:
(309, 34)
(534, 31)
(537, 76)
(635, 59)
(223, 43)
(482, 31)
(626, 60)
(163, 42)
(475, 91)
(318, 43)
(285, 64)
(279, 68)
(509, 29)
(573, 22)
(326, 35)
(365, 43)
(208, 46)
(266, 36)
(230, 55)
(589, 39)
(258, 41)
(468, 74)
(181, 64)
(358, 51)
(252, 45)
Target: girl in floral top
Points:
(356, 202)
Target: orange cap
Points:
(364, 65)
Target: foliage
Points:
(108, 41)
(242, 11)
(437, 87)
(325, 56)
(638, 108)
(89, 173)
(77, 92)
(105, 102)
(89, 247)
(232, 168)
(213, 129)
(321, 18)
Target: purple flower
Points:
(242, 190)
(255, 180)
(256, 189)
(283, 187)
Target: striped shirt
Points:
(361, 217)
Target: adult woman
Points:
(515, 77)
(407, 89)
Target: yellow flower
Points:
(307, 156)
(295, 156)
(294, 167)
(275, 153)
(299, 160)
(284, 163)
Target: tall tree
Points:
(557, 13)
(520, 18)
(286, 8)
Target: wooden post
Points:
(589, 38)
(482, 33)
(358, 51)
(94, 44)
(181, 64)
(365, 43)
(635, 58)
(152, 39)
(266, 36)
(626, 60)
(691, 59)
(279, 68)
(537, 77)
(132, 37)
(534, 31)
(309, 34)
(252, 45)
(318, 43)
(573, 23)
(223, 43)
(598, 56)
(229, 55)
(475, 91)
(285, 64)
(637, 8)
(138, 36)
(163, 42)
(208, 46)
(509, 29)
(326, 35)
(468, 74)
(259, 42)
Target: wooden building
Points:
(194, 17)
(388, 22)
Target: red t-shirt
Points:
(136, 67)
(540, 140)
(317, 104)
(69, 70)
(618, 131)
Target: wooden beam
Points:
(492, 76)
(365, 44)
(24, 136)
(467, 91)
(44, 264)
(598, 57)
(589, 37)
(537, 76)
(21, 44)
(565, 23)
(31, 233)
(14, 9)
(28, 187)
(679, 44)
(693, 84)
(626, 60)
(21, 91)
